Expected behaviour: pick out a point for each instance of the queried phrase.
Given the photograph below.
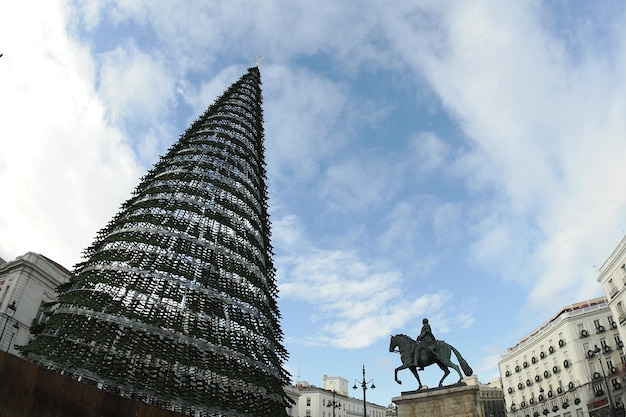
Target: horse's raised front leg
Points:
(399, 368)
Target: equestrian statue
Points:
(426, 351)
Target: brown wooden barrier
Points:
(28, 390)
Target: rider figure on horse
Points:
(426, 341)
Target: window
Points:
(596, 323)
(308, 401)
(5, 293)
(43, 313)
(621, 314)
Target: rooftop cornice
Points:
(612, 259)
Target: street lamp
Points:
(10, 313)
(14, 329)
(334, 404)
(608, 391)
(364, 386)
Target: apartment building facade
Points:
(332, 400)
(27, 286)
(612, 277)
(570, 366)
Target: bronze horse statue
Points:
(440, 355)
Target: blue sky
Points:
(456, 160)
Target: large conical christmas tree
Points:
(175, 302)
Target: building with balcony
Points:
(612, 277)
(27, 290)
(569, 366)
(294, 395)
(332, 400)
(490, 397)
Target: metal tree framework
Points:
(175, 302)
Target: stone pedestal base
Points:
(455, 401)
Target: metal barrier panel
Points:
(28, 390)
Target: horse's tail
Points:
(467, 370)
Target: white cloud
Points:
(431, 152)
(303, 121)
(58, 159)
(135, 84)
(139, 91)
(356, 302)
(403, 222)
(209, 91)
(201, 31)
(361, 182)
(546, 125)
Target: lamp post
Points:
(10, 313)
(14, 329)
(608, 391)
(364, 386)
(334, 404)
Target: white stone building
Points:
(567, 367)
(293, 393)
(612, 277)
(333, 400)
(27, 284)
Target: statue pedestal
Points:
(453, 401)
